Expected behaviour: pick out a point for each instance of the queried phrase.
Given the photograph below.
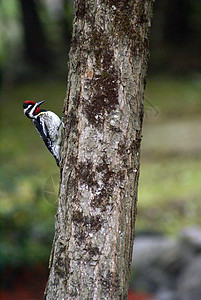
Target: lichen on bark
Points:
(94, 228)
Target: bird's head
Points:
(31, 108)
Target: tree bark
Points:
(94, 229)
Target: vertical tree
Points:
(36, 48)
(94, 229)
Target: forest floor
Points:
(169, 189)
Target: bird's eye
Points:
(25, 105)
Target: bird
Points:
(48, 125)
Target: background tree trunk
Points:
(35, 40)
(94, 229)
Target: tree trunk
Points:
(94, 229)
(35, 40)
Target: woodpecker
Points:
(48, 125)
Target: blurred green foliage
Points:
(26, 216)
(169, 194)
(169, 189)
(173, 97)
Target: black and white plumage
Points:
(48, 125)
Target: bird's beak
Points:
(39, 103)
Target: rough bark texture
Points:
(94, 231)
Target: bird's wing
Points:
(43, 131)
